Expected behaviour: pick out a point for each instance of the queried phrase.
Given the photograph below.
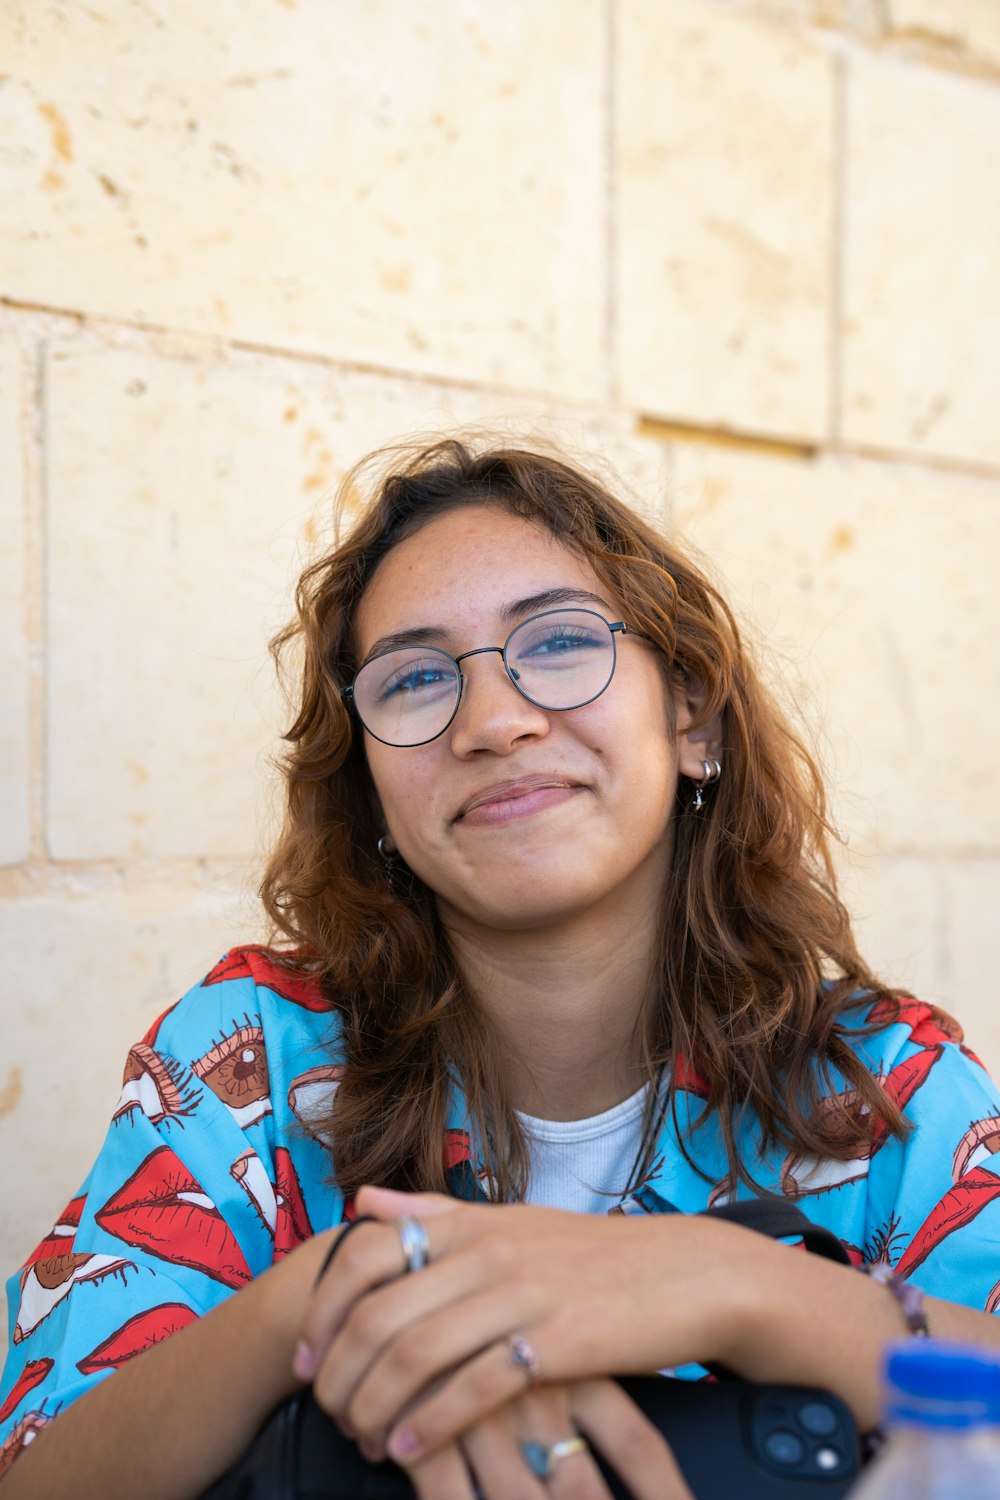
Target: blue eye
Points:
(561, 640)
(417, 679)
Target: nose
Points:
(492, 714)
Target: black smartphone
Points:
(733, 1441)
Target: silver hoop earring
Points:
(712, 770)
(385, 854)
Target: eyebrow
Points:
(428, 635)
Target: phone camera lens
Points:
(818, 1418)
(784, 1447)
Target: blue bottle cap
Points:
(934, 1383)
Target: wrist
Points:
(284, 1292)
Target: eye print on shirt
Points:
(20, 1436)
(34, 1372)
(156, 1086)
(163, 1210)
(45, 1283)
(137, 1335)
(258, 964)
(236, 1071)
(310, 1098)
(803, 1176)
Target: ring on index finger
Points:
(414, 1242)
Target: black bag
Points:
(733, 1439)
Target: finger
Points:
(367, 1260)
(387, 1203)
(421, 1320)
(478, 1384)
(544, 1416)
(442, 1476)
(633, 1447)
(495, 1457)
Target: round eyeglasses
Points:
(561, 659)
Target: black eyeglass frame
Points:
(618, 627)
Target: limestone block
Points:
(922, 297)
(184, 498)
(725, 158)
(875, 589)
(83, 978)
(390, 184)
(899, 913)
(968, 29)
(14, 824)
(973, 888)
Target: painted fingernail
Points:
(404, 1443)
(304, 1362)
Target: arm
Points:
(168, 1424)
(593, 1296)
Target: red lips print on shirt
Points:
(137, 1335)
(163, 1209)
(258, 964)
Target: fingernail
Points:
(304, 1362)
(404, 1443)
(369, 1451)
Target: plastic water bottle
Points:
(943, 1417)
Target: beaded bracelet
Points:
(909, 1297)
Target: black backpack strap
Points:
(779, 1219)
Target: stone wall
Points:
(744, 254)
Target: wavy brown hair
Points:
(756, 958)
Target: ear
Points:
(700, 744)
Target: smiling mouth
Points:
(504, 803)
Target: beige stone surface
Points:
(83, 978)
(395, 185)
(967, 29)
(900, 919)
(724, 137)
(973, 894)
(875, 588)
(183, 502)
(14, 668)
(922, 297)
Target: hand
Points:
(593, 1295)
(488, 1459)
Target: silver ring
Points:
(523, 1357)
(542, 1460)
(413, 1239)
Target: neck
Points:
(567, 1003)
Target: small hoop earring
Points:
(712, 770)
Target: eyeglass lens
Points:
(560, 659)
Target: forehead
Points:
(461, 570)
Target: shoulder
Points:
(906, 1037)
(257, 1032)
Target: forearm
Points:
(172, 1420)
(804, 1320)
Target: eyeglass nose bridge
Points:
(501, 651)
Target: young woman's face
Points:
(518, 817)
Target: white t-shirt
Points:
(584, 1165)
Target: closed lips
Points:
(509, 791)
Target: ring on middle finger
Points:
(414, 1242)
(542, 1458)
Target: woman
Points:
(558, 929)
